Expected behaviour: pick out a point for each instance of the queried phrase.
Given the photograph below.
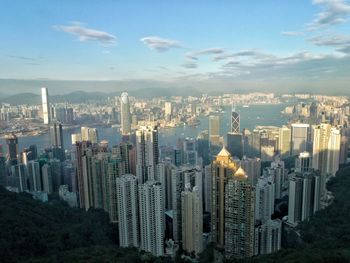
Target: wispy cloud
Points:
(160, 44)
(87, 34)
(190, 65)
(292, 33)
(334, 12)
(341, 43)
(208, 51)
(242, 53)
(25, 58)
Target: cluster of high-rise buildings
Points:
(166, 199)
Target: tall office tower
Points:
(89, 134)
(76, 137)
(192, 220)
(221, 168)
(12, 149)
(69, 115)
(313, 113)
(85, 134)
(214, 130)
(56, 133)
(168, 109)
(284, 142)
(333, 151)
(29, 154)
(45, 105)
(26, 156)
(252, 166)
(164, 176)
(33, 168)
(20, 174)
(207, 188)
(326, 148)
(267, 153)
(125, 114)
(117, 166)
(239, 216)
(46, 178)
(182, 176)
(34, 152)
(279, 174)
(344, 146)
(299, 138)
(304, 196)
(60, 115)
(79, 151)
(147, 153)
(235, 121)
(190, 154)
(128, 223)
(303, 163)
(93, 135)
(152, 225)
(264, 198)
(268, 237)
(235, 144)
(3, 171)
(56, 174)
(247, 143)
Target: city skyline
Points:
(299, 46)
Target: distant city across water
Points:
(254, 115)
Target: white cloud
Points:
(160, 44)
(88, 34)
(334, 12)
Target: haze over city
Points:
(227, 45)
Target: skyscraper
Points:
(89, 134)
(326, 148)
(222, 167)
(284, 141)
(304, 196)
(147, 153)
(239, 216)
(152, 217)
(235, 144)
(12, 149)
(235, 121)
(214, 129)
(45, 105)
(299, 138)
(125, 114)
(303, 163)
(168, 111)
(128, 216)
(192, 220)
(56, 133)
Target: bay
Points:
(268, 115)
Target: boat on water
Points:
(245, 106)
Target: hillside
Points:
(31, 231)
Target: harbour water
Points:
(250, 117)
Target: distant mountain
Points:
(73, 97)
(83, 96)
(79, 97)
(162, 92)
(22, 98)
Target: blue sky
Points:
(231, 44)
